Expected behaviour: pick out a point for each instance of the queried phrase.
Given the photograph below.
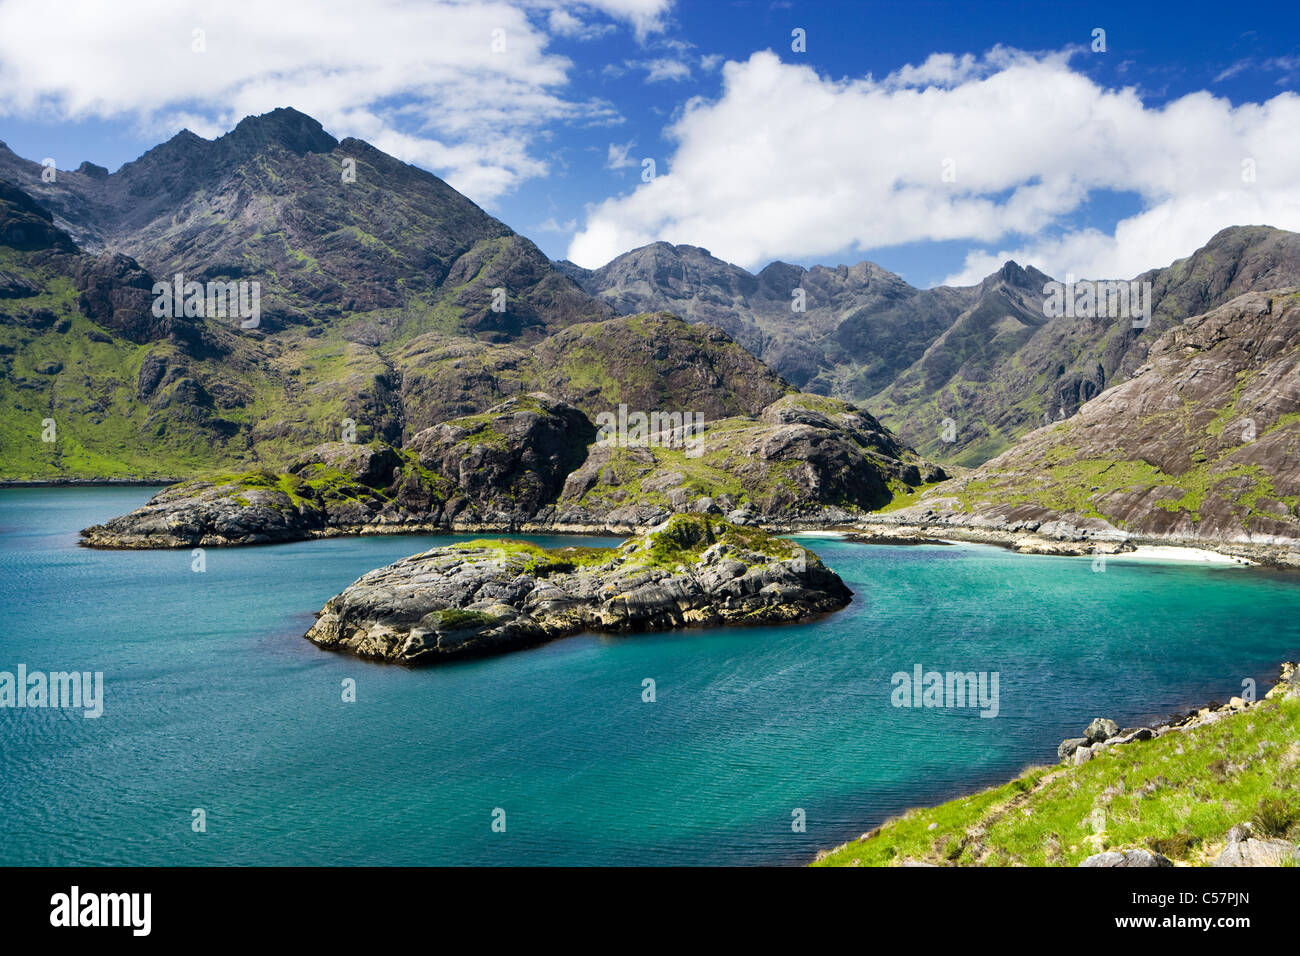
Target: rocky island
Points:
(492, 596)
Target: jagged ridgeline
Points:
(959, 373)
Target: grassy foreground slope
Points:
(1177, 795)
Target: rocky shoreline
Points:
(200, 514)
(492, 596)
(1059, 538)
(1103, 733)
(86, 482)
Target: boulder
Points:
(1101, 728)
(1139, 858)
(1068, 746)
(1256, 852)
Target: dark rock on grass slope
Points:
(533, 463)
(1200, 446)
(488, 597)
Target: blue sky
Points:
(1077, 160)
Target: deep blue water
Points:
(213, 700)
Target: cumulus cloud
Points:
(463, 89)
(999, 150)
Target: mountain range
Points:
(418, 363)
(985, 357)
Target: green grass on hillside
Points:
(1178, 795)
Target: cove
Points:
(213, 700)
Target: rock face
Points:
(520, 452)
(535, 463)
(1201, 445)
(488, 597)
(1243, 849)
(1101, 728)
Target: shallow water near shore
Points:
(214, 700)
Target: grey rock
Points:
(1101, 728)
(1132, 734)
(1129, 858)
(1255, 852)
(1068, 746)
(462, 601)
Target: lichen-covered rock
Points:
(1132, 858)
(1101, 728)
(492, 596)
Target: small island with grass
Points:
(496, 595)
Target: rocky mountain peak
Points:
(285, 127)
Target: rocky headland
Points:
(534, 463)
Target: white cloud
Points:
(787, 163)
(660, 69)
(618, 156)
(552, 225)
(418, 79)
(646, 16)
(563, 23)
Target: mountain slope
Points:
(393, 251)
(1201, 445)
(860, 326)
(379, 338)
(1068, 360)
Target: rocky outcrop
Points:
(489, 597)
(1243, 848)
(510, 462)
(805, 461)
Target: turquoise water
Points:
(213, 700)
